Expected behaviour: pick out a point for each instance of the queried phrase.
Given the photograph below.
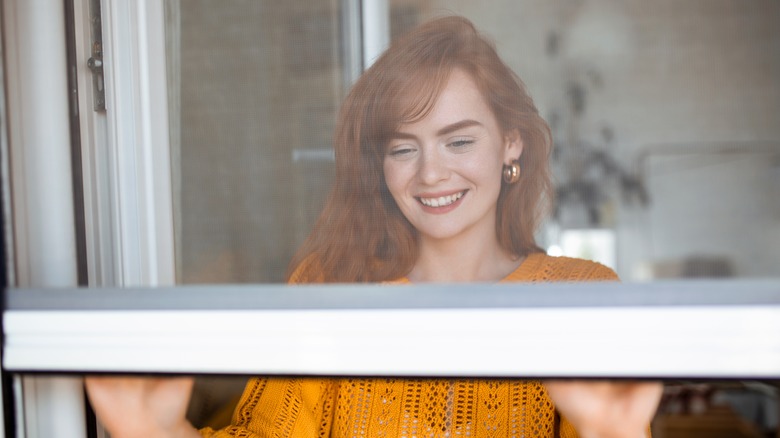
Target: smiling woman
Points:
(441, 170)
(444, 173)
(441, 84)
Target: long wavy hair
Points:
(361, 234)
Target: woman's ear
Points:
(513, 145)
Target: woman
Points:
(441, 176)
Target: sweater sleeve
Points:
(603, 273)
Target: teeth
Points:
(442, 200)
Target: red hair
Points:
(361, 235)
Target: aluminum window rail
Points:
(693, 329)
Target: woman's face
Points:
(444, 171)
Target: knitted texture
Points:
(340, 408)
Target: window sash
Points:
(693, 329)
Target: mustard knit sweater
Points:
(346, 407)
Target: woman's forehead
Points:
(458, 99)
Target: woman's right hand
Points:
(149, 407)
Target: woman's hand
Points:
(148, 407)
(606, 409)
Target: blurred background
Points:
(665, 117)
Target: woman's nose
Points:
(432, 167)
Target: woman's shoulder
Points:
(540, 267)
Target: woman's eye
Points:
(400, 151)
(461, 143)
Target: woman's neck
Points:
(477, 260)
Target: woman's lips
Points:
(441, 204)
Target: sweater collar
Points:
(524, 272)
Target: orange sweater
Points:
(345, 407)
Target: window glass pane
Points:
(254, 91)
(642, 103)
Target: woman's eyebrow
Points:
(398, 135)
(457, 125)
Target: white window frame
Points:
(126, 170)
(37, 179)
(134, 163)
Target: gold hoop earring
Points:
(511, 172)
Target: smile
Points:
(441, 201)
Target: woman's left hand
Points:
(606, 409)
